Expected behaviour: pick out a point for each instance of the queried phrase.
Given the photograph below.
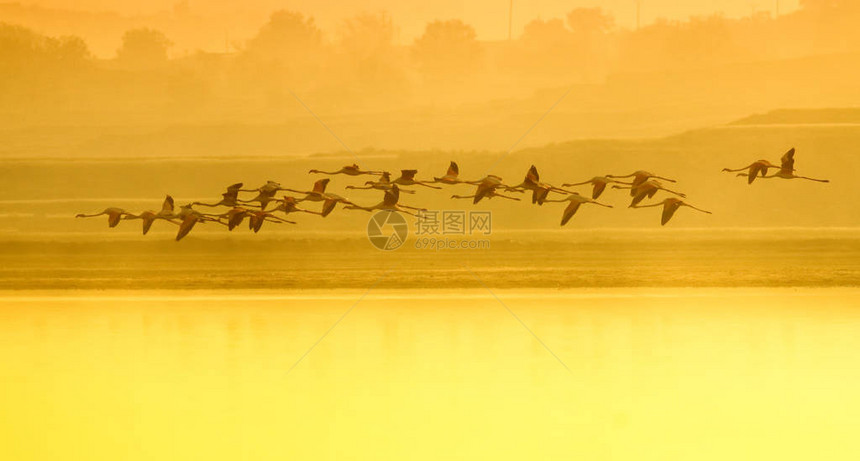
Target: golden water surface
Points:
(639, 374)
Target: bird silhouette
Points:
(599, 183)
(114, 215)
(786, 170)
(229, 198)
(575, 201)
(670, 206)
(646, 189)
(539, 189)
(407, 178)
(487, 189)
(390, 202)
(350, 170)
(150, 216)
(383, 184)
(452, 176)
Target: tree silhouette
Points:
(447, 46)
(144, 48)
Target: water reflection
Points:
(655, 374)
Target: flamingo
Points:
(670, 206)
(452, 176)
(786, 171)
(407, 178)
(389, 203)
(234, 216)
(289, 205)
(114, 215)
(190, 218)
(265, 193)
(575, 201)
(350, 170)
(331, 201)
(317, 194)
(599, 183)
(646, 189)
(150, 216)
(487, 188)
(539, 189)
(257, 218)
(383, 184)
(230, 198)
(639, 177)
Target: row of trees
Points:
(363, 61)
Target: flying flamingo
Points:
(150, 216)
(646, 189)
(539, 189)
(230, 198)
(599, 183)
(350, 170)
(575, 201)
(265, 193)
(234, 216)
(407, 178)
(257, 218)
(487, 188)
(114, 215)
(383, 184)
(289, 205)
(670, 206)
(317, 194)
(639, 177)
(786, 171)
(389, 203)
(452, 176)
(190, 218)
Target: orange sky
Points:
(489, 17)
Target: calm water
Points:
(755, 373)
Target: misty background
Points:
(130, 106)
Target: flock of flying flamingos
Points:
(643, 184)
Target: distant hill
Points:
(802, 117)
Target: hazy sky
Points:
(489, 17)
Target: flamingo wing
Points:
(408, 174)
(598, 189)
(453, 169)
(787, 161)
(320, 185)
(669, 209)
(167, 206)
(569, 212)
(114, 218)
(186, 226)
